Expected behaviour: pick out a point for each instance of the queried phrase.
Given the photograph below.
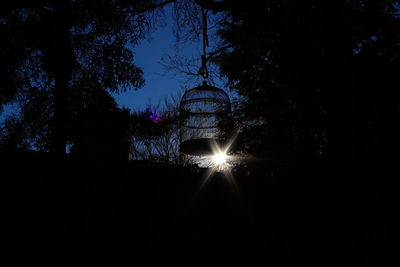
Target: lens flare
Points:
(220, 161)
(219, 158)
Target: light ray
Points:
(220, 161)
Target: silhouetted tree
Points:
(320, 75)
(100, 130)
(54, 53)
(155, 132)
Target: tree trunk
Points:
(63, 69)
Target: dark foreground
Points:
(77, 213)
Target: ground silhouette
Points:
(82, 213)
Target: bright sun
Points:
(219, 158)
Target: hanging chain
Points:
(203, 70)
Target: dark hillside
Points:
(149, 214)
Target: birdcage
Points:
(202, 109)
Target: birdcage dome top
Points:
(204, 93)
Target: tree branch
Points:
(215, 7)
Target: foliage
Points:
(157, 140)
(55, 54)
(316, 75)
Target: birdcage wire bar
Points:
(201, 110)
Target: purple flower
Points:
(153, 116)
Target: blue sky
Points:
(158, 83)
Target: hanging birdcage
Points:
(202, 109)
